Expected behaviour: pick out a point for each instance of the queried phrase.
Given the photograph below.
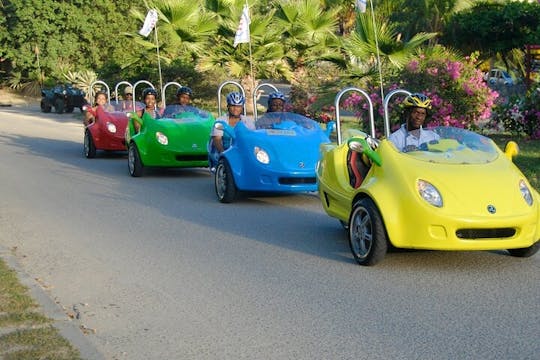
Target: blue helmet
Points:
(235, 98)
(149, 91)
(275, 95)
(184, 90)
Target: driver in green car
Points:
(235, 110)
(149, 96)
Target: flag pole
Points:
(159, 61)
(251, 65)
(378, 52)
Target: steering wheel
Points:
(284, 125)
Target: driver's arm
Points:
(218, 143)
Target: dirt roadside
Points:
(10, 98)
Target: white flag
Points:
(242, 33)
(361, 5)
(149, 23)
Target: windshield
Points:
(127, 106)
(285, 121)
(455, 146)
(176, 111)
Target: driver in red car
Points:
(100, 99)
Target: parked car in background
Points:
(63, 97)
(498, 77)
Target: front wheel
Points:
(224, 182)
(59, 105)
(89, 146)
(367, 236)
(134, 161)
(45, 107)
(525, 252)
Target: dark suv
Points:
(62, 98)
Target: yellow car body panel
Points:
(470, 188)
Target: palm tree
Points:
(381, 39)
(266, 59)
(184, 31)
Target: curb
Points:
(66, 326)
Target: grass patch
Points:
(26, 333)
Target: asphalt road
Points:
(156, 268)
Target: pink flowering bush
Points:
(520, 115)
(459, 95)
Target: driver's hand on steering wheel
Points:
(410, 148)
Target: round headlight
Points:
(525, 192)
(261, 155)
(111, 127)
(429, 193)
(161, 138)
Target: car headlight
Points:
(261, 155)
(111, 127)
(161, 138)
(525, 192)
(429, 193)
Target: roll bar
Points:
(229, 82)
(127, 83)
(371, 116)
(99, 82)
(385, 105)
(165, 88)
(135, 86)
(255, 113)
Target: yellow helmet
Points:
(417, 100)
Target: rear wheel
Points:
(59, 106)
(69, 109)
(525, 252)
(367, 237)
(134, 161)
(89, 146)
(224, 182)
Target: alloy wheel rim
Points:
(362, 233)
(131, 159)
(220, 180)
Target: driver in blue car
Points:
(411, 135)
(235, 110)
(276, 102)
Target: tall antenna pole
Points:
(378, 52)
(159, 61)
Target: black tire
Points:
(59, 106)
(69, 109)
(224, 182)
(135, 164)
(89, 146)
(45, 107)
(525, 252)
(367, 236)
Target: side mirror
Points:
(361, 145)
(330, 128)
(226, 128)
(511, 149)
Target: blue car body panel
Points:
(292, 143)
